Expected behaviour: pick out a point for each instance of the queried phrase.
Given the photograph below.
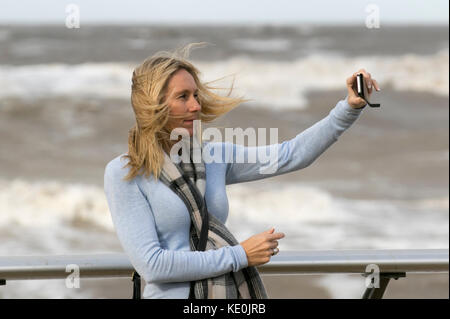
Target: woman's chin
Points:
(189, 128)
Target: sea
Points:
(65, 113)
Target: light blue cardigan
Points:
(152, 222)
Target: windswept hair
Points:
(149, 137)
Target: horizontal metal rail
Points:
(388, 263)
(286, 262)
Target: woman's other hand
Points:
(261, 247)
(353, 99)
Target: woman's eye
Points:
(184, 96)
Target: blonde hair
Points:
(149, 137)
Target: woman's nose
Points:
(194, 105)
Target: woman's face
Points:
(182, 99)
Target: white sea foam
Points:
(343, 286)
(51, 217)
(268, 83)
(313, 219)
(108, 80)
(51, 203)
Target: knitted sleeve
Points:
(256, 162)
(136, 230)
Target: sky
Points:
(225, 12)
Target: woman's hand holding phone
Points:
(354, 99)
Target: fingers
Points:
(261, 247)
(272, 239)
(375, 84)
(273, 244)
(272, 252)
(275, 236)
(351, 81)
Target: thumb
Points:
(350, 88)
(351, 81)
(271, 230)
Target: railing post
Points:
(136, 279)
(377, 293)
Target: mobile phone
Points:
(361, 89)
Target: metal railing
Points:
(385, 264)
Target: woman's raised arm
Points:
(290, 155)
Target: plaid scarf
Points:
(188, 180)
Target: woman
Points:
(170, 217)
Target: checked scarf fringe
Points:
(188, 181)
